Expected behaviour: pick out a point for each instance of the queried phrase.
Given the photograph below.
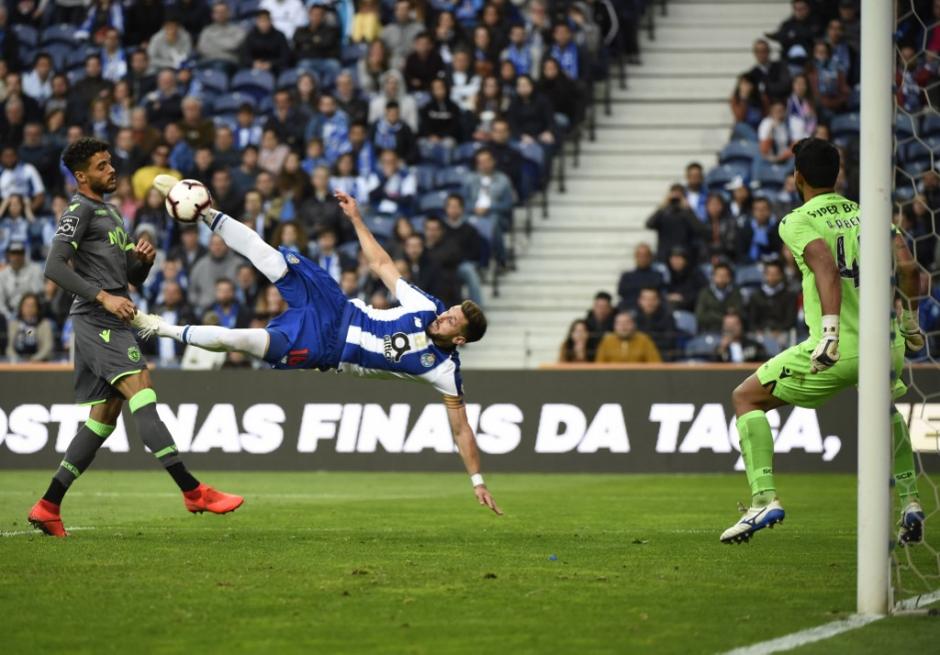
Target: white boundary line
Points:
(20, 533)
(827, 630)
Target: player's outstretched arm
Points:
(908, 283)
(380, 263)
(819, 258)
(467, 445)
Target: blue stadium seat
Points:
(381, 226)
(771, 345)
(685, 321)
(26, 35)
(75, 75)
(914, 152)
(748, 275)
(257, 83)
(434, 153)
(350, 249)
(59, 52)
(769, 177)
(487, 229)
(288, 78)
(464, 152)
(214, 80)
(743, 132)
(62, 33)
(718, 177)
(352, 53)
(432, 203)
(76, 58)
(27, 54)
(229, 104)
(930, 126)
(247, 8)
(451, 178)
(426, 175)
(702, 347)
(904, 193)
(417, 222)
(844, 126)
(739, 151)
(533, 169)
(903, 126)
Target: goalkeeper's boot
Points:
(45, 516)
(147, 325)
(754, 519)
(206, 499)
(911, 525)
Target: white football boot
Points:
(754, 519)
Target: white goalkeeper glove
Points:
(910, 329)
(826, 353)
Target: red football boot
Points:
(206, 499)
(45, 517)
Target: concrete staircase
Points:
(675, 110)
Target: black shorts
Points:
(106, 350)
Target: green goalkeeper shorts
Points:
(789, 378)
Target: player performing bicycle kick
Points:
(323, 329)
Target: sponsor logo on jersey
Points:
(74, 206)
(133, 354)
(292, 259)
(297, 357)
(67, 226)
(427, 360)
(395, 346)
(417, 322)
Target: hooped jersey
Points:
(836, 221)
(393, 343)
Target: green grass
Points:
(376, 563)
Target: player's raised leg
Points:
(751, 402)
(911, 523)
(251, 341)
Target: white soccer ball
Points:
(187, 200)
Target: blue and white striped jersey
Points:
(393, 343)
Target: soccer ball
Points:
(187, 199)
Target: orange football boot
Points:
(45, 517)
(206, 499)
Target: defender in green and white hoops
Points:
(823, 236)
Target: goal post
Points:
(875, 299)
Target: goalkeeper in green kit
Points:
(823, 236)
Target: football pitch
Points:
(409, 563)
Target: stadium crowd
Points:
(719, 285)
(438, 116)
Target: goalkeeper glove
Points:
(910, 329)
(826, 353)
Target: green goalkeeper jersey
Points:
(835, 220)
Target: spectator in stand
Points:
(741, 199)
(400, 35)
(747, 104)
(465, 83)
(371, 68)
(448, 36)
(113, 57)
(230, 312)
(724, 231)
(759, 235)
(484, 51)
(580, 347)
(675, 224)
(736, 347)
(508, 159)
(469, 245)
(489, 103)
(917, 224)
(423, 65)
(286, 15)
(305, 95)
(845, 58)
(695, 192)
(197, 130)
(643, 276)
(626, 345)
(101, 15)
(317, 44)
(218, 263)
(367, 22)
(174, 309)
(331, 126)
(20, 178)
(772, 78)
(445, 257)
(685, 280)
(828, 82)
(220, 43)
(320, 210)
(327, 256)
(171, 46)
(600, 317)
(247, 131)
(226, 196)
(655, 319)
(396, 189)
(37, 83)
(13, 122)
(774, 134)
(717, 299)
(30, 335)
(92, 86)
(17, 223)
(530, 115)
(391, 133)
(19, 277)
(440, 117)
(772, 307)
(363, 154)
(851, 26)
(265, 46)
(801, 109)
(272, 153)
(523, 55)
(349, 100)
(800, 29)
(489, 193)
(194, 15)
(393, 90)
(181, 155)
(561, 92)
(165, 104)
(570, 57)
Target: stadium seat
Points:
(352, 53)
(350, 249)
(771, 346)
(381, 226)
(59, 52)
(930, 126)
(431, 203)
(743, 132)
(451, 178)
(63, 33)
(27, 54)
(914, 152)
(702, 347)
(26, 35)
(739, 151)
(76, 58)
(75, 75)
(426, 175)
(769, 177)
(685, 321)
(257, 83)
(417, 222)
(749, 275)
(718, 177)
(903, 127)
(464, 152)
(434, 153)
(487, 229)
(229, 104)
(246, 8)
(214, 80)
(904, 193)
(288, 78)
(844, 126)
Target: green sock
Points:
(905, 477)
(757, 448)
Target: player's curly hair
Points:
(77, 154)
(817, 161)
(476, 321)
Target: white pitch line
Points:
(20, 533)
